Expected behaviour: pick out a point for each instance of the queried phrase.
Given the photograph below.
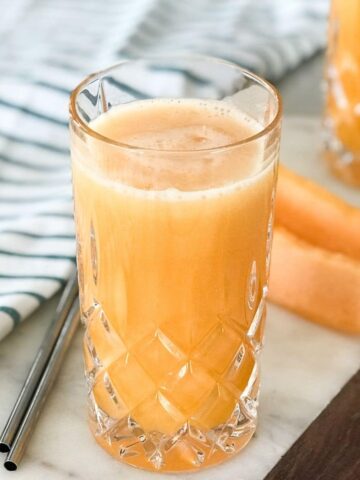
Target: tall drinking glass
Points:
(174, 168)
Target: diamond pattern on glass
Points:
(240, 421)
(86, 314)
(237, 375)
(195, 408)
(198, 435)
(218, 348)
(186, 332)
(92, 361)
(216, 409)
(109, 345)
(188, 387)
(100, 418)
(157, 413)
(130, 381)
(256, 329)
(158, 354)
(107, 399)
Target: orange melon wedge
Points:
(316, 283)
(316, 215)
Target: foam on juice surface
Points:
(183, 142)
(168, 124)
(194, 137)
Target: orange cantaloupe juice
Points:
(173, 256)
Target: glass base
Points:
(153, 407)
(199, 412)
(189, 449)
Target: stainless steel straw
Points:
(39, 364)
(48, 377)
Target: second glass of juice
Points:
(342, 112)
(174, 169)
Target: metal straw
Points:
(39, 364)
(49, 375)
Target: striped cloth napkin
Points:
(47, 48)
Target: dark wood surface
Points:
(330, 447)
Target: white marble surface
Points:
(304, 366)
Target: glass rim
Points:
(75, 117)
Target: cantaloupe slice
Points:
(316, 215)
(320, 285)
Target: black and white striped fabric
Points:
(47, 46)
